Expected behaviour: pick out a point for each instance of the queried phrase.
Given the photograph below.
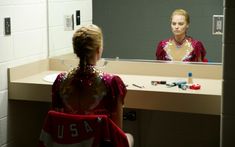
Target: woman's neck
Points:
(92, 61)
(179, 39)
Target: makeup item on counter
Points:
(195, 86)
(161, 82)
(176, 83)
(154, 83)
(157, 82)
(190, 78)
(138, 86)
(170, 84)
(180, 82)
(183, 86)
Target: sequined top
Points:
(87, 91)
(190, 50)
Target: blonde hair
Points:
(181, 12)
(86, 40)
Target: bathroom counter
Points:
(207, 100)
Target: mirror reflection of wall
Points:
(62, 23)
(133, 28)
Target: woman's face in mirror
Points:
(179, 25)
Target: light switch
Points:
(78, 17)
(7, 25)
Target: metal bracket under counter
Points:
(26, 83)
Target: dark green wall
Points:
(132, 28)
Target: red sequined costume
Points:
(87, 91)
(190, 50)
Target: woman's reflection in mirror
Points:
(180, 47)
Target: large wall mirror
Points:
(133, 28)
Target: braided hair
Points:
(86, 41)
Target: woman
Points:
(180, 47)
(85, 89)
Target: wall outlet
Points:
(217, 24)
(7, 26)
(131, 115)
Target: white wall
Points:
(60, 40)
(29, 40)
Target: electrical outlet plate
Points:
(217, 24)
(68, 22)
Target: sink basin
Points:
(50, 77)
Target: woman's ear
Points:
(98, 53)
(97, 50)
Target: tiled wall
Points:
(29, 42)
